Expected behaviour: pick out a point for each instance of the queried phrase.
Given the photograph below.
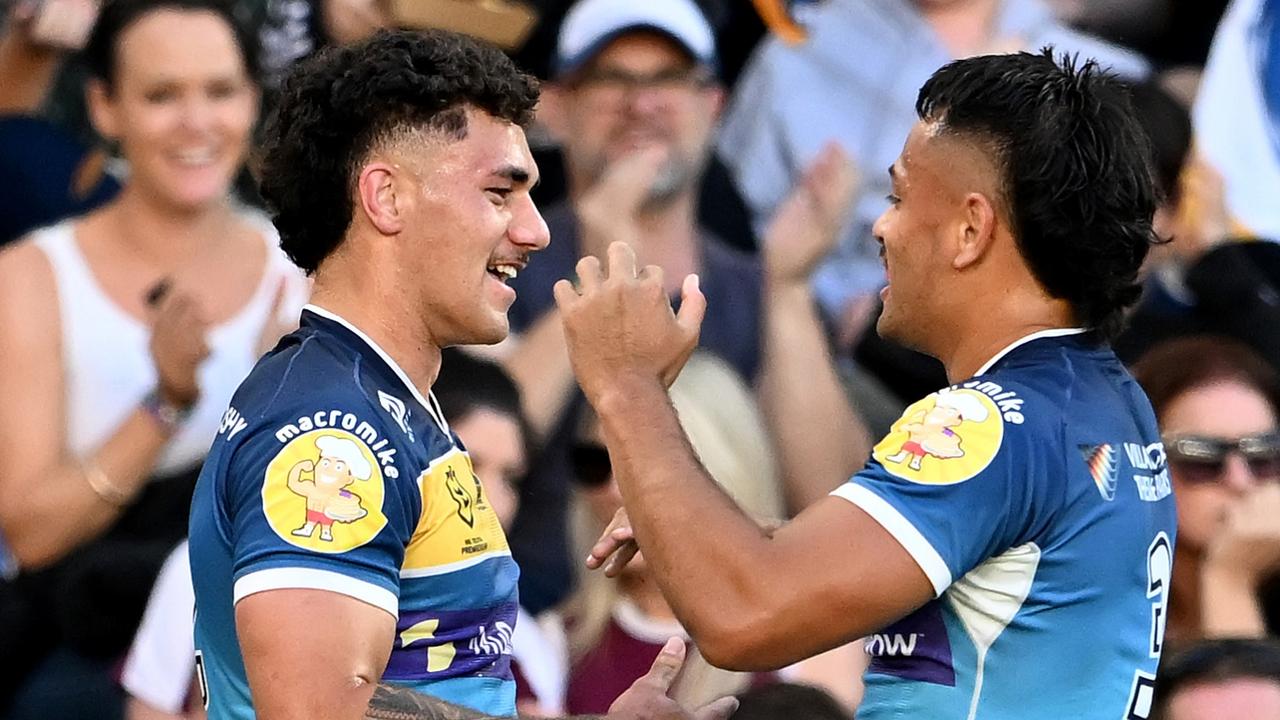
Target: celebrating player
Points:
(399, 177)
(1006, 552)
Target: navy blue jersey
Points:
(331, 471)
(1036, 499)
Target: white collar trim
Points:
(428, 403)
(1055, 332)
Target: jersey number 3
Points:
(1159, 573)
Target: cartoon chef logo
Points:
(943, 439)
(324, 492)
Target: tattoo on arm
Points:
(396, 703)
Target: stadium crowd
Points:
(745, 142)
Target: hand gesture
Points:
(58, 24)
(808, 222)
(178, 347)
(1249, 542)
(647, 698)
(616, 546)
(608, 210)
(621, 326)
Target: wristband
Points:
(170, 417)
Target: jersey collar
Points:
(428, 402)
(1052, 333)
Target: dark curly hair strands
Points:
(336, 106)
(1075, 167)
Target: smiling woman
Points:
(122, 336)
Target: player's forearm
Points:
(540, 367)
(397, 703)
(820, 440)
(707, 555)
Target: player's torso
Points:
(1068, 622)
(457, 595)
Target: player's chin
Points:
(494, 328)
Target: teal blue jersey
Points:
(332, 472)
(1036, 499)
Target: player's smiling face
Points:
(909, 232)
(471, 229)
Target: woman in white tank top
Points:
(124, 332)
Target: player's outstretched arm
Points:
(647, 699)
(752, 600)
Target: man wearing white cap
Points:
(634, 101)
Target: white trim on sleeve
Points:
(316, 579)
(902, 530)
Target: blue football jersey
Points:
(331, 471)
(1036, 499)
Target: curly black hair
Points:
(336, 105)
(100, 50)
(1075, 166)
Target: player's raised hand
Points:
(619, 326)
(647, 698)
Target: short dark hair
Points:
(788, 700)
(1177, 366)
(1215, 661)
(1074, 165)
(101, 50)
(335, 106)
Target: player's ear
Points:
(383, 196)
(977, 230)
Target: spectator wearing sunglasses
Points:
(1218, 405)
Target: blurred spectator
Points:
(1203, 280)
(618, 626)
(1233, 678)
(854, 79)
(483, 406)
(1237, 114)
(1218, 406)
(49, 173)
(786, 701)
(123, 334)
(634, 105)
(159, 672)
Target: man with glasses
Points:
(634, 102)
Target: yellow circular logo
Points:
(323, 492)
(944, 439)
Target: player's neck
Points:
(986, 332)
(372, 306)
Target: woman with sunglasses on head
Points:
(1218, 405)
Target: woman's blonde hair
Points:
(724, 424)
